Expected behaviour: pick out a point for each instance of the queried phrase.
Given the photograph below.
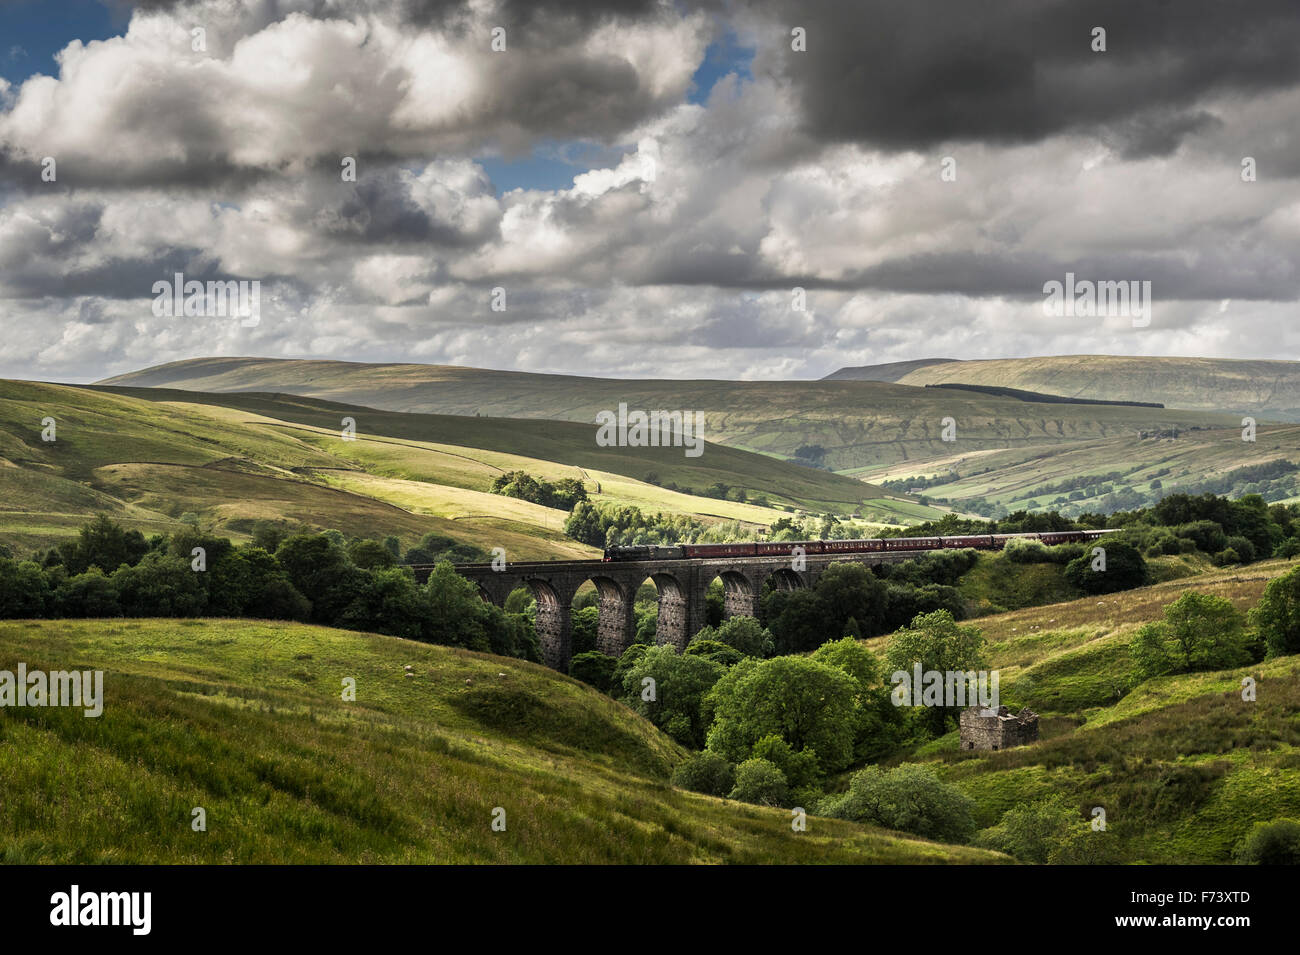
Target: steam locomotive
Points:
(869, 546)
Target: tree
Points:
(1270, 843)
(745, 634)
(320, 570)
(1031, 832)
(1199, 632)
(371, 555)
(24, 590)
(1150, 653)
(593, 668)
(705, 772)
(586, 626)
(389, 601)
(937, 642)
(91, 594)
(878, 722)
(807, 703)
(909, 798)
(1124, 569)
(268, 535)
(794, 617)
(630, 658)
(853, 658)
(680, 682)
(104, 544)
(714, 650)
(458, 616)
(1277, 615)
(849, 592)
(584, 524)
(160, 585)
(761, 782)
(647, 624)
(248, 582)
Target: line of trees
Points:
(319, 578)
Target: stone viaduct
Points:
(682, 585)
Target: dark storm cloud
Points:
(1205, 275)
(532, 12)
(914, 74)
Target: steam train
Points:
(870, 546)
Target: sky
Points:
(645, 188)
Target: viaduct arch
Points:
(682, 586)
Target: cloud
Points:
(918, 74)
(678, 257)
(319, 81)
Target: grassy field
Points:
(148, 460)
(1181, 764)
(1031, 478)
(859, 423)
(562, 440)
(245, 719)
(1007, 454)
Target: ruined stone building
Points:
(997, 731)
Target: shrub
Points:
(759, 781)
(744, 634)
(1288, 548)
(1244, 548)
(706, 773)
(680, 684)
(909, 798)
(799, 768)
(1199, 632)
(1270, 843)
(1031, 832)
(1277, 615)
(809, 704)
(593, 668)
(1026, 551)
(1125, 569)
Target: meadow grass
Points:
(245, 719)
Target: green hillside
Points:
(1181, 764)
(150, 458)
(1269, 389)
(853, 424)
(1115, 473)
(246, 720)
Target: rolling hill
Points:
(1267, 389)
(245, 720)
(151, 457)
(845, 425)
(1182, 764)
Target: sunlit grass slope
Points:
(1182, 765)
(148, 461)
(246, 720)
